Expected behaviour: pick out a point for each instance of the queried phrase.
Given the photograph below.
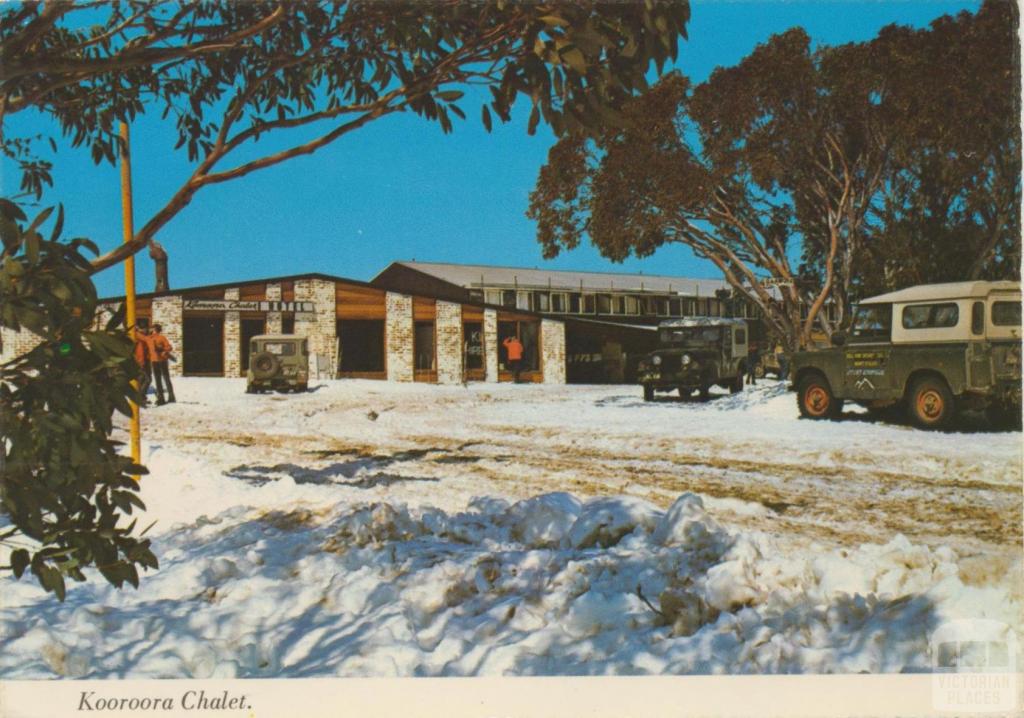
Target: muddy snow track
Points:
(837, 484)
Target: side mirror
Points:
(838, 339)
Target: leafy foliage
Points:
(811, 176)
(65, 488)
(231, 73)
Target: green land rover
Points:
(933, 349)
(278, 362)
(696, 353)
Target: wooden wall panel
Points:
(472, 314)
(252, 292)
(355, 302)
(288, 291)
(423, 309)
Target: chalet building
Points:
(427, 322)
(640, 299)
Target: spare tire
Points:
(264, 365)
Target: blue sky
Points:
(399, 188)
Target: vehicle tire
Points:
(930, 403)
(815, 398)
(737, 385)
(648, 393)
(264, 365)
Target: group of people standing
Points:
(152, 352)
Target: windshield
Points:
(872, 321)
(691, 335)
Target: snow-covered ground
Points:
(377, 529)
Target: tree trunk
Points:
(159, 256)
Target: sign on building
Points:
(239, 305)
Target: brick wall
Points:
(399, 337)
(318, 326)
(448, 326)
(232, 337)
(273, 318)
(167, 312)
(14, 344)
(552, 345)
(491, 345)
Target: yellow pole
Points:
(129, 278)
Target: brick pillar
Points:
(273, 318)
(491, 345)
(399, 337)
(552, 346)
(232, 337)
(448, 326)
(319, 326)
(167, 312)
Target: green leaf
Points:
(40, 218)
(59, 224)
(450, 95)
(32, 240)
(19, 561)
(485, 115)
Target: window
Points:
(473, 345)
(558, 303)
(508, 298)
(661, 306)
(361, 345)
(288, 324)
(632, 305)
(541, 302)
(618, 305)
(676, 307)
(523, 300)
(1006, 314)
(528, 334)
(493, 296)
(574, 303)
(476, 295)
(741, 336)
(589, 304)
(931, 316)
(423, 346)
(280, 349)
(872, 321)
(604, 304)
(978, 318)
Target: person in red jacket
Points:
(142, 352)
(514, 351)
(160, 354)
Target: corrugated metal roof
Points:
(950, 290)
(482, 275)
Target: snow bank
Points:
(549, 585)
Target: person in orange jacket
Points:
(159, 355)
(142, 352)
(514, 350)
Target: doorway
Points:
(249, 329)
(202, 342)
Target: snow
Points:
(375, 529)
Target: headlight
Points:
(656, 360)
(685, 359)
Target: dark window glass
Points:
(288, 324)
(604, 304)
(676, 307)
(978, 318)
(541, 302)
(931, 316)
(249, 329)
(1006, 314)
(529, 333)
(362, 345)
(423, 346)
(574, 303)
(508, 298)
(473, 344)
(203, 345)
(588, 304)
(872, 321)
